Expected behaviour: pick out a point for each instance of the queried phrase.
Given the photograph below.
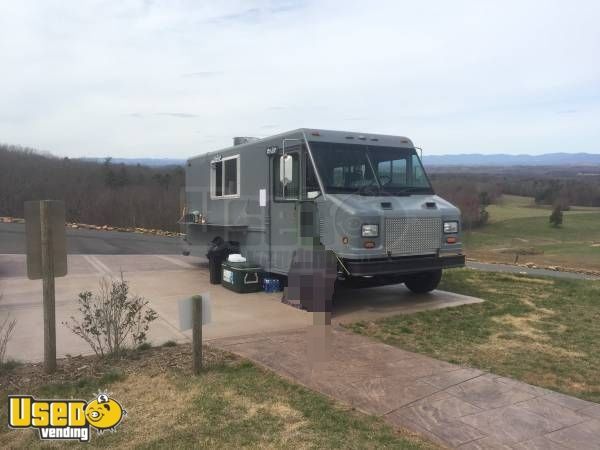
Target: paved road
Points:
(487, 267)
(92, 242)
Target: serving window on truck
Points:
(225, 178)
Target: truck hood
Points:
(394, 206)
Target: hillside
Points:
(549, 159)
(105, 193)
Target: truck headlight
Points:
(450, 227)
(370, 230)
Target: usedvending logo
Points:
(65, 419)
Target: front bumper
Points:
(403, 265)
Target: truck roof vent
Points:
(239, 140)
(430, 205)
(386, 205)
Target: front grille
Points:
(413, 235)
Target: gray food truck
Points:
(363, 197)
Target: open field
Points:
(542, 331)
(232, 404)
(517, 226)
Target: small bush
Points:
(111, 318)
(144, 346)
(9, 364)
(7, 326)
(556, 218)
(170, 344)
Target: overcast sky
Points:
(133, 78)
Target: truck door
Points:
(286, 192)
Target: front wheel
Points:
(423, 282)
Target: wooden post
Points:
(197, 333)
(48, 289)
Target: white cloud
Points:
(134, 78)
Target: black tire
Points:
(424, 282)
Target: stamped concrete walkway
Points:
(451, 405)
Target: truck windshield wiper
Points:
(411, 190)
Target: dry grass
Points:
(232, 404)
(543, 331)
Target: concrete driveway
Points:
(163, 280)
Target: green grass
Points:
(543, 331)
(82, 387)
(516, 207)
(518, 227)
(230, 405)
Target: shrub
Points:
(111, 318)
(7, 326)
(556, 218)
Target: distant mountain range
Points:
(471, 159)
(548, 159)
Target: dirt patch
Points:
(152, 402)
(523, 325)
(539, 281)
(525, 334)
(293, 419)
(525, 331)
(498, 348)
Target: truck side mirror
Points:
(286, 169)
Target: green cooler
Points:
(241, 276)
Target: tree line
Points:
(95, 193)
(471, 194)
(472, 189)
(119, 195)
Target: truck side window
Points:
(419, 177)
(312, 185)
(230, 171)
(218, 182)
(224, 178)
(292, 190)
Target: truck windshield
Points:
(370, 170)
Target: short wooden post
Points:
(47, 257)
(197, 333)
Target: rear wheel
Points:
(423, 282)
